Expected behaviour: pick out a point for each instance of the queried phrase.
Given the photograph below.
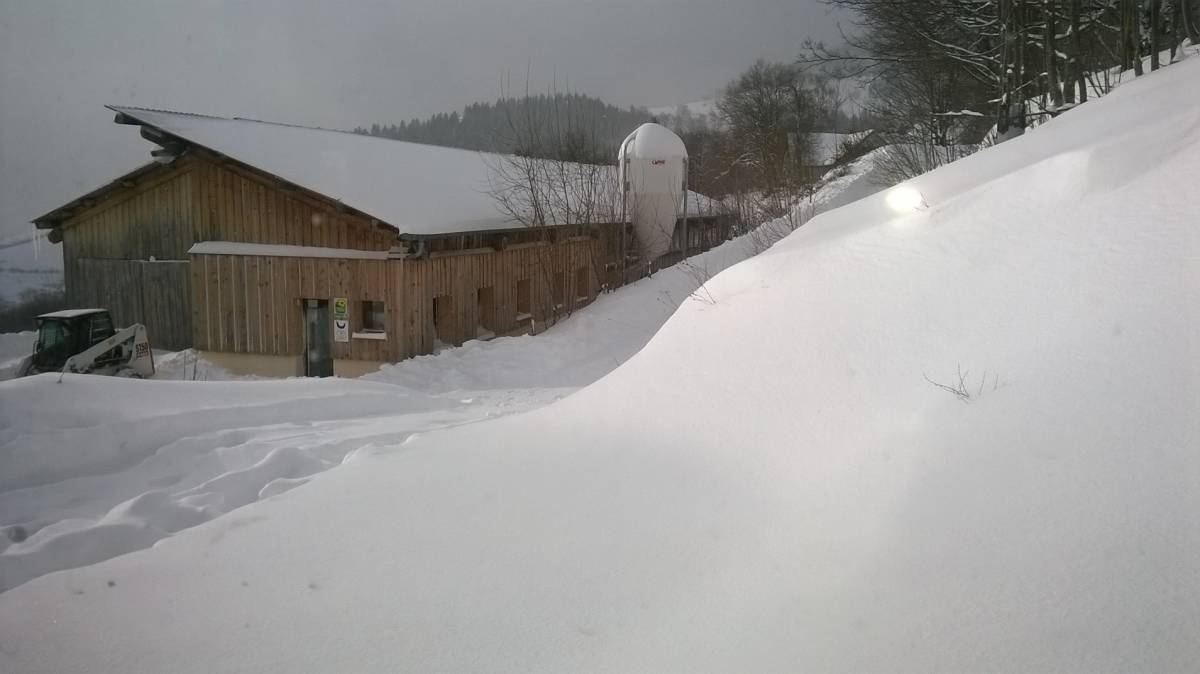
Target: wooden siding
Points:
(414, 282)
(150, 219)
(156, 294)
(252, 304)
(107, 246)
(201, 197)
(234, 203)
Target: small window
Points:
(52, 335)
(560, 290)
(443, 321)
(583, 283)
(485, 313)
(524, 300)
(373, 317)
(101, 328)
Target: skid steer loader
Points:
(84, 341)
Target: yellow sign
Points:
(341, 308)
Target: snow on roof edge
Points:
(273, 250)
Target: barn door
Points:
(318, 356)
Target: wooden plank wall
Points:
(112, 285)
(237, 204)
(415, 282)
(166, 291)
(200, 198)
(156, 294)
(152, 218)
(252, 304)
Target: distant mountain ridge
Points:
(583, 128)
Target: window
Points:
(524, 300)
(560, 290)
(373, 317)
(101, 328)
(443, 320)
(485, 313)
(583, 285)
(51, 335)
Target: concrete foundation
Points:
(282, 366)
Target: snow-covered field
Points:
(774, 482)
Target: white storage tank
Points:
(653, 166)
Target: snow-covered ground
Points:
(774, 482)
(97, 467)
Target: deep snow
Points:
(772, 483)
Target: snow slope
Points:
(772, 483)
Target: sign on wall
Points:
(341, 319)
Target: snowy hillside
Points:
(780, 480)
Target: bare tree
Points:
(554, 179)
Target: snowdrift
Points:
(776, 482)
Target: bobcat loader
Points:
(84, 341)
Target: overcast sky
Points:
(340, 64)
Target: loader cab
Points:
(63, 334)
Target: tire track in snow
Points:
(195, 479)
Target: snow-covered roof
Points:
(72, 313)
(419, 189)
(273, 250)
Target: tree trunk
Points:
(1187, 11)
(1050, 8)
(1022, 45)
(1154, 29)
(1132, 32)
(1081, 63)
(1004, 76)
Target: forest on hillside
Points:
(569, 126)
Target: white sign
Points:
(341, 330)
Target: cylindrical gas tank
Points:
(653, 164)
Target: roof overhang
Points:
(525, 228)
(171, 147)
(55, 217)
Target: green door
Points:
(318, 355)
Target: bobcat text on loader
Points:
(84, 341)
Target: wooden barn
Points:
(282, 250)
